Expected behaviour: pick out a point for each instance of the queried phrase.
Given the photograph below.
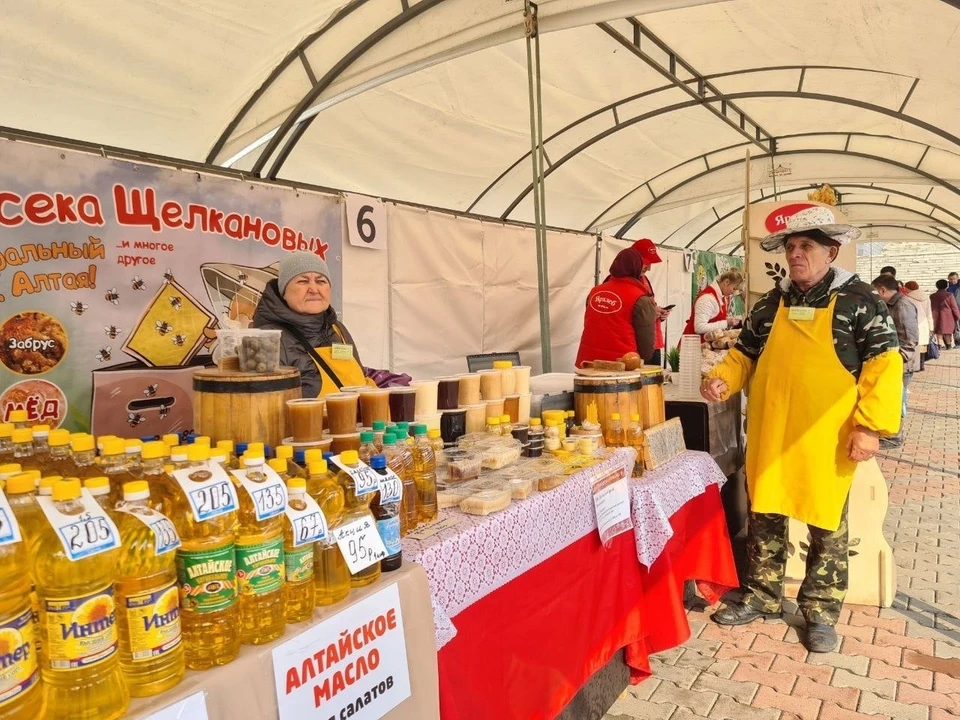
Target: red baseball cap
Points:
(647, 250)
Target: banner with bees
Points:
(118, 274)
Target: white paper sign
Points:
(9, 529)
(269, 495)
(193, 707)
(309, 524)
(360, 544)
(611, 500)
(165, 537)
(366, 221)
(209, 491)
(391, 488)
(365, 477)
(87, 533)
(354, 663)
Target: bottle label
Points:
(84, 534)
(165, 537)
(207, 579)
(154, 622)
(309, 524)
(365, 478)
(260, 567)
(9, 529)
(389, 529)
(299, 564)
(209, 491)
(81, 631)
(18, 657)
(269, 495)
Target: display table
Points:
(245, 688)
(529, 604)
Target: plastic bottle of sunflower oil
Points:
(148, 601)
(21, 695)
(330, 573)
(357, 507)
(73, 571)
(260, 569)
(299, 592)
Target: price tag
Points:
(364, 477)
(269, 495)
(209, 491)
(193, 707)
(309, 524)
(366, 221)
(360, 544)
(165, 537)
(9, 529)
(391, 488)
(89, 532)
(611, 500)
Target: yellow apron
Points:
(348, 370)
(799, 416)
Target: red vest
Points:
(722, 315)
(608, 322)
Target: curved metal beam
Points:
(721, 98)
(893, 163)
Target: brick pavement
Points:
(901, 663)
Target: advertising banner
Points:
(114, 277)
(708, 267)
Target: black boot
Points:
(740, 614)
(820, 638)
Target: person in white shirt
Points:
(710, 308)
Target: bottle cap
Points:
(35, 474)
(615, 416)
(256, 447)
(570, 413)
(97, 485)
(389, 439)
(19, 416)
(504, 419)
(278, 464)
(195, 453)
(240, 448)
(171, 439)
(20, 484)
(10, 469)
(534, 421)
(299, 456)
(551, 422)
(493, 421)
(366, 437)
(64, 490)
(502, 364)
(252, 460)
(40, 430)
(420, 429)
(6, 430)
(378, 462)
(311, 456)
(635, 417)
(267, 451)
(23, 435)
(317, 467)
(296, 485)
(403, 427)
(81, 443)
(180, 453)
(201, 440)
(225, 445)
(136, 490)
(218, 456)
(284, 452)
(349, 457)
(433, 433)
(379, 426)
(153, 450)
(113, 446)
(133, 446)
(45, 487)
(59, 438)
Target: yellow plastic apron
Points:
(348, 370)
(799, 416)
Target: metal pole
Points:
(539, 193)
(596, 262)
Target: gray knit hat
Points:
(300, 262)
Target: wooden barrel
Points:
(243, 407)
(627, 393)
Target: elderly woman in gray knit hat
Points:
(312, 340)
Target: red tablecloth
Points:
(525, 650)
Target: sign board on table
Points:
(611, 501)
(354, 662)
(193, 707)
(366, 221)
(127, 270)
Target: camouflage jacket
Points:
(862, 327)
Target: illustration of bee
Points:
(112, 331)
(78, 308)
(176, 302)
(138, 283)
(179, 339)
(163, 327)
(242, 278)
(112, 296)
(150, 390)
(164, 411)
(168, 275)
(104, 354)
(134, 419)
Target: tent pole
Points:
(596, 264)
(531, 31)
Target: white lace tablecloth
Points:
(478, 555)
(660, 493)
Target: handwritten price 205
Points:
(88, 533)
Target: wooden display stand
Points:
(872, 569)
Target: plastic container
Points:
(476, 417)
(347, 441)
(426, 390)
(448, 393)
(460, 465)
(495, 408)
(491, 385)
(259, 351)
(331, 576)
(431, 421)
(374, 405)
(305, 419)
(403, 404)
(469, 393)
(521, 374)
(453, 425)
(342, 412)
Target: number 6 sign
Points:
(366, 221)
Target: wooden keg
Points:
(652, 410)
(243, 407)
(627, 393)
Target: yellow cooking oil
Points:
(99, 487)
(83, 458)
(23, 453)
(299, 591)
(20, 688)
(280, 467)
(145, 591)
(330, 573)
(357, 507)
(260, 569)
(152, 459)
(79, 664)
(20, 492)
(206, 562)
(113, 464)
(57, 461)
(6, 442)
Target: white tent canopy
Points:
(649, 105)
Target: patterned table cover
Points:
(478, 555)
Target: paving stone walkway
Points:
(901, 663)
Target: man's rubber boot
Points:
(741, 614)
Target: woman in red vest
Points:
(621, 314)
(710, 308)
